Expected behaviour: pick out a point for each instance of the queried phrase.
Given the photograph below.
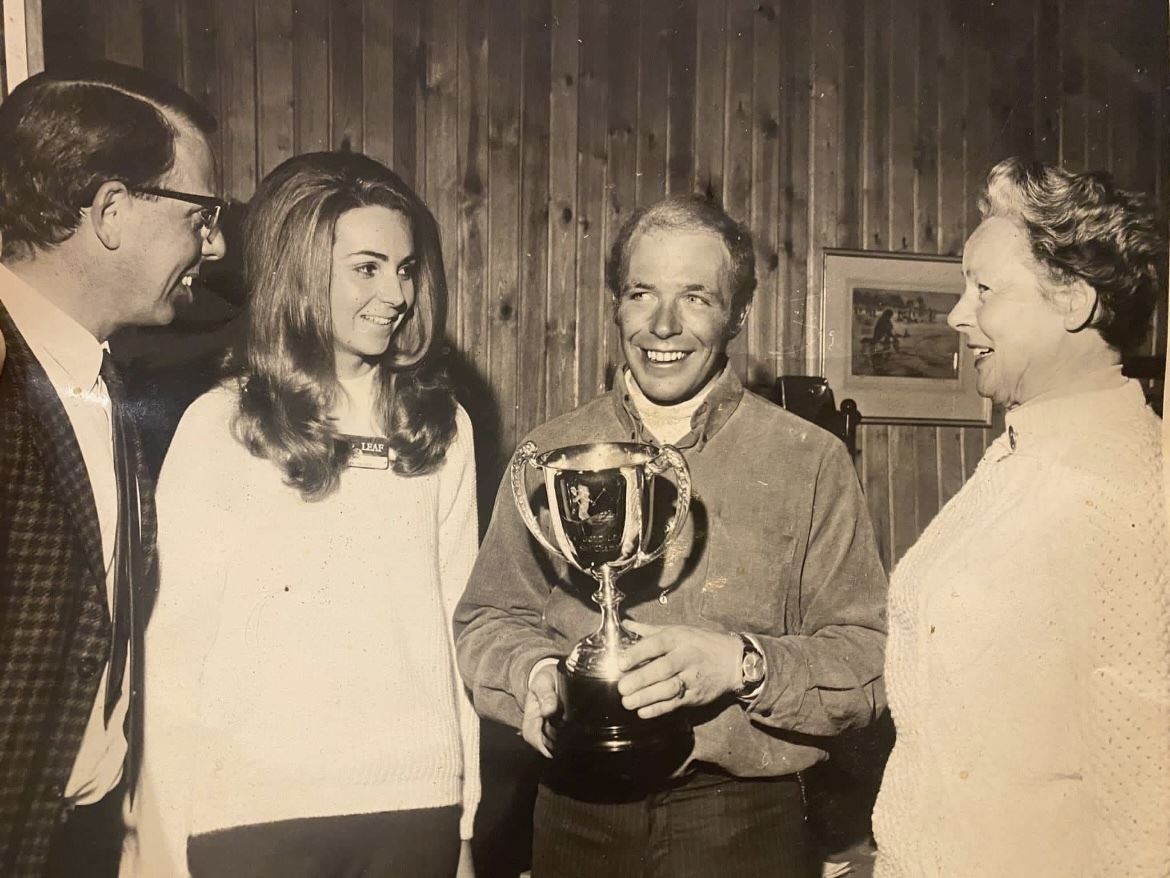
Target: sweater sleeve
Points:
(193, 518)
(827, 677)
(458, 536)
(499, 622)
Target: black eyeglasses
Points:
(211, 207)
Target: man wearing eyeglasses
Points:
(107, 211)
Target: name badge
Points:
(367, 452)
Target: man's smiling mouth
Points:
(665, 357)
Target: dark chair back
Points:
(810, 397)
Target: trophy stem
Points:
(613, 636)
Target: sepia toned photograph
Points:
(562, 438)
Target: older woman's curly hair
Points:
(1082, 226)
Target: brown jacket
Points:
(778, 544)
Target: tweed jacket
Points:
(55, 628)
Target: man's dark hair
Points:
(64, 133)
(692, 213)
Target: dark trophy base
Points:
(604, 752)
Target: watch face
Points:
(753, 667)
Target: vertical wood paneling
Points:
(851, 121)
(710, 87)
(593, 308)
(796, 166)
(926, 181)
(977, 99)
(533, 128)
(903, 205)
(346, 79)
(534, 202)
(737, 127)
(762, 340)
(825, 133)
(1046, 61)
(560, 363)
(201, 62)
(653, 84)
(505, 48)
(903, 490)
(951, 474)
(310, 74)
(1074, 104)
(948, 66)
(236, 23)
(473, 163)
(162, 45)
(94, 30)
(875, 457)
(440, 134)
(404, 158)
(903, 117)
(1097, 134)
(875, 214)
(680, 147)
(927, 477)
(622, 147)
(123, 31)
(274, 83)
(377, 51)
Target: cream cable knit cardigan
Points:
(1028, 662)
(300, 661)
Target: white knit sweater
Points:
(300, 659)
(1028, 661)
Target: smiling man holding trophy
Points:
(754, 618)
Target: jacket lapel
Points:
(52, 433)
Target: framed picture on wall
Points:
(886, 343)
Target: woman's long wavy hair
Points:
(288, 374)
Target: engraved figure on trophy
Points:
(601, 508)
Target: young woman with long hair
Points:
(317, 513)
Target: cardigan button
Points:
(1012, 437)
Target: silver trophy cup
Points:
(600, 501)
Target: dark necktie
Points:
(128, 544)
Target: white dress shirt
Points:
(72, 358)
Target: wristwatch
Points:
(752, 669)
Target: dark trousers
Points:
(88, 840)
(708, 824)
(421, 844)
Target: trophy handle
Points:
(526, 456)
(670, 457)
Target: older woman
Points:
(1028, 663)
(317, 520)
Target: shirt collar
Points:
(722, 400)
(51, 332)
(1057, 425)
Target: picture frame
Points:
(885, 342)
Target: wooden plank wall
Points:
(534, 127)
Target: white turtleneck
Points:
(668, 423)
